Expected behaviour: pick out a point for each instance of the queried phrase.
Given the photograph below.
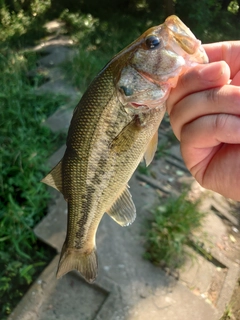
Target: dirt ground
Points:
(235, 303)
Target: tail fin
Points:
(86, 264)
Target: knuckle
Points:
(186, 80)
(235, 96)
(213, 96)
(220, 121)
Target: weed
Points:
(143, 169)
(171, 137)
(162, 149)
(227, 313)
(171, 230)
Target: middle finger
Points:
(225, 99)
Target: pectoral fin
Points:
(54, 178)
(123, 210)
(126, 138)
(151, 149)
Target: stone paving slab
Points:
(60, 120)
(70, 298)
(58, 87)
(55, 55)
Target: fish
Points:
(113, 128)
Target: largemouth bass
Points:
(114, 126)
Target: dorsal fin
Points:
(151, 149)
(54, 178)
(123, 210)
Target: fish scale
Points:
(113, 128)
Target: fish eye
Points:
(152, 42)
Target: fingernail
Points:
(212, 72)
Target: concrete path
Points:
(129, 287)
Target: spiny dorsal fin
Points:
(151, 149)
(54, 178)
(123, 210)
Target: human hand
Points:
(204, 112)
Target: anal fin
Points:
(54, 178)
(123, 210)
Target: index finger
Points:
(228, 51)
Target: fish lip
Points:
(136, 105)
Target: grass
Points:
(171, 230)
(24, 146)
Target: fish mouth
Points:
(139, 106)
(184, 39)
(193, 49)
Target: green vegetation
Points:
(171, 229)
(210, 20)
(143, 169)
(25, 144)
(24, 147)
(227, 314)
(20, 26)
